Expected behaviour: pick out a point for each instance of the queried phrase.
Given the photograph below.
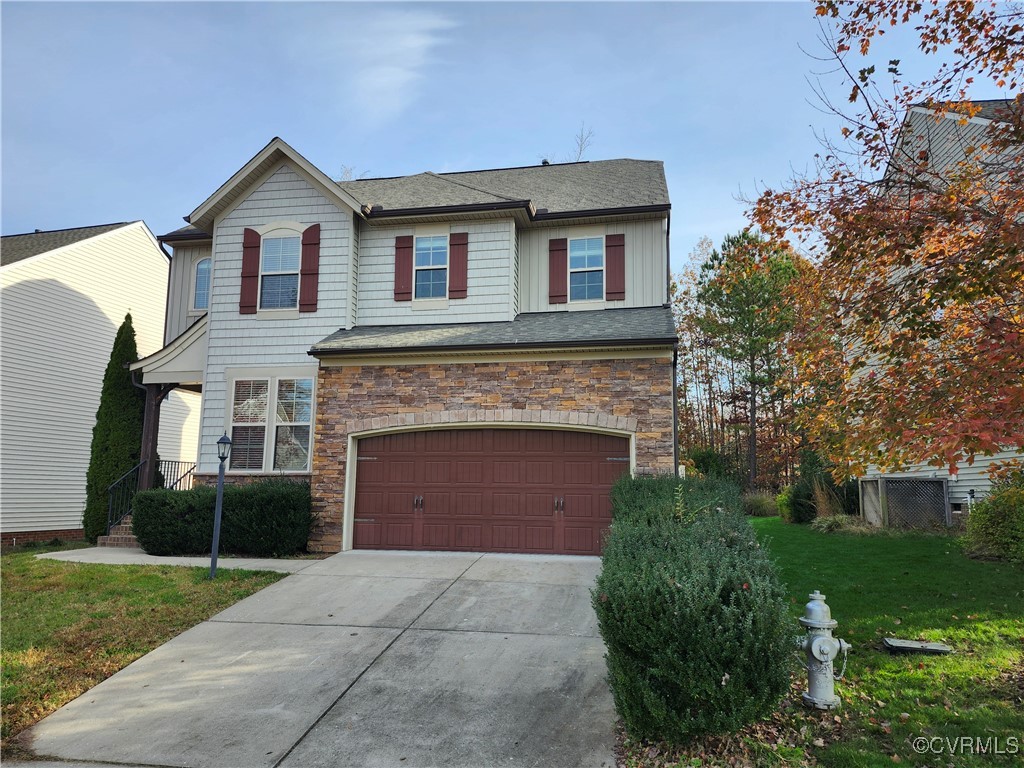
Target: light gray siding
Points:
(646, 264)
(60, 313)
(265, 341)
(969, 476)
(489, 278)
(181, 289)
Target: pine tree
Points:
(117, 436)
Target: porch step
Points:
(120, 535)
(115, 540)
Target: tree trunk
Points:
(752, 437)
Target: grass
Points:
(68, 626)
(915, 586)
(920, 587)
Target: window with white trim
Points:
(586, 269)
(201, 292)
(430, 267)
(271, 424)
(279, 272)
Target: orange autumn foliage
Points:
(910, 344)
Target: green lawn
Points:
(920, 587)
(68, 626)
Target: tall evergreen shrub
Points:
(117, 436)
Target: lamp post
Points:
(223, 451)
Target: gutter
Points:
(376, 212)
(672, 342)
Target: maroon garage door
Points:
(494, 490)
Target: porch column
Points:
(155, 394)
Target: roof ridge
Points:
(475, 189)
(72, 229)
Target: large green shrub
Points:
(268, 518)
(696, 626)
(995, 527)
(117, 435)
(784, 503)
(651, 497)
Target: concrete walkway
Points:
(367, 659)
(127, 556)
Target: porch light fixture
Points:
(223, 451)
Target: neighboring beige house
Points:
(946, 141)
(455, 361)
(63, 295)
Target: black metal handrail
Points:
(173, 475)
(122, 491)
(177, 475)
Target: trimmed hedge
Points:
(691, 611)
(995, 527)
(268, 518)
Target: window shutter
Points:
(558, 278)
(403, 268)
(458, 264)
(309, 269)
(248, 296)
(615, 267)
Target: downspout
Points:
(675, 415)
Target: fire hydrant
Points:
(821, 650)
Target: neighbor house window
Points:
(201, 295)
(586, 269)
(431, 267)
(279, 272)
(271, 424)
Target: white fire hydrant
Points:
(821, 650)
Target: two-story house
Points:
(455, 361)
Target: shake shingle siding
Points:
(259, 341)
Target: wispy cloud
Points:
(386, 57)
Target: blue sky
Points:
(123, 111)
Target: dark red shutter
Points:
(458, 264)
(309, 270)
(403, 268)
(248, 296)
(558, 277)
(615, 267)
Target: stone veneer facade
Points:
(630, 395)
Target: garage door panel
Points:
(508, 490)
(469, 504)
(539, 505)
(507, 472)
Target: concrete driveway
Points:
(367, 659)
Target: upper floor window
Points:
(279, 272)
(201, 294)
(586, 269)
(431, 267)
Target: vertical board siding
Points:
(253, 341)
(60, 314)
(180, 314)
(646, 264)
(488, 283)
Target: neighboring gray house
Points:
(63, 295)
(455, 361)
(946, 142)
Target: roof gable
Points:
(231, 191)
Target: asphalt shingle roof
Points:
(560, 188)
(542, 329)
(14, 248)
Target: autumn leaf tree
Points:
(910, 338)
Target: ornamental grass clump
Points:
(695, 622)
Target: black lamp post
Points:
(223, 451)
